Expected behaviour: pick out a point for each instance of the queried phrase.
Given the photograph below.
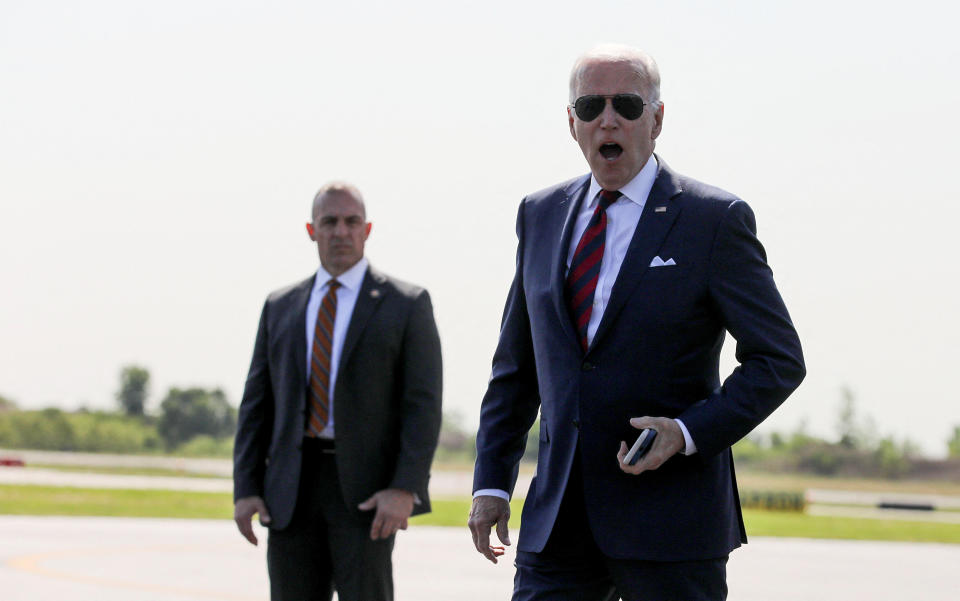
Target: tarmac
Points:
(113, 559)
(122, 559)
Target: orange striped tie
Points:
(319, 390)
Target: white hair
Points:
(641, 62)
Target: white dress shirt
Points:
(350, 282)
(622, 219)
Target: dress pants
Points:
(572, 568)
(326, 547)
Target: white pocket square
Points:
(658, 262)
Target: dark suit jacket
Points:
(386, 401)
(655, 353)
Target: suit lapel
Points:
(574, 196)
(369, 296)
(300, 299)
(657, 217)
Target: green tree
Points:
(777, 440)
(206, 446)
(953, 445)
(847, 419)
(892, 459)
(134, 386)
(108, 432)
(455, 443)
(185, 414)
(87, 431)
(749, 449)
(47, 429)
(855, 432)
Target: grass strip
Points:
(454, 512)
(787, 524)
(16, 499)
(125, 471)
(19, 499)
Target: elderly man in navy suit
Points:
(627, 280)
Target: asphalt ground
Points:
(114, 559)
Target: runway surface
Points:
(114, 559)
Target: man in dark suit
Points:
(626, 281)
(339, 418)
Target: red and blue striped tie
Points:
(319, 389)
(585, 266)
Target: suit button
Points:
(587, 366)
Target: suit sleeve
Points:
(255, 420)
(422, 387)
(768, 350)
(512, 400)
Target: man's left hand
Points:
(668, 443)
(393, 507)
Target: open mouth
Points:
(610, 151)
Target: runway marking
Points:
(32, 564)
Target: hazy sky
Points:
(157, 163)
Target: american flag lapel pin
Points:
(374, 293)
(660, 209)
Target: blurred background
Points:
(157, 166)
(157, 163)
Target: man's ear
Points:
(366, 233)
(573, 132)
(310, 231)
(657, 121)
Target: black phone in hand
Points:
(640, 447)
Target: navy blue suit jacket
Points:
(656, 353)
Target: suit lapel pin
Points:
(660, 210)
(374, 293)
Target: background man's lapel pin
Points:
(374, 293)
(660, 210)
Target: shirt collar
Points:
(350, 279)
(636, 190)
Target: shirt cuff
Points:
(492, 492)
(690, 447)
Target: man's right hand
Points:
(485, 512)
(243, 512)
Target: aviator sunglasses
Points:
(589, 107)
